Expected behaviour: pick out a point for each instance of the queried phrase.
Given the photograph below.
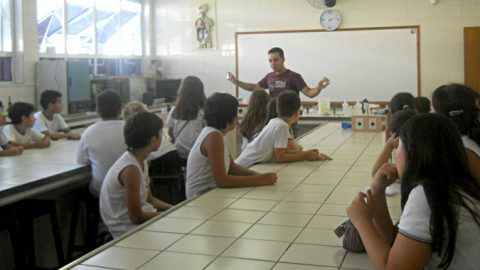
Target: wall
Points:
(25, 91)
(441, 33)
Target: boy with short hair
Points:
(125, 198)
(49, 121)
(102, 143)
(20, 132)
(271, 143)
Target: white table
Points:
(285, 226)
(38, 171)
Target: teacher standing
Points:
(281, 78)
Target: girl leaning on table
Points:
(440, 223)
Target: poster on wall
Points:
(204, 23)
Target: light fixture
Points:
(433, 2)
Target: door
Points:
(472, 57)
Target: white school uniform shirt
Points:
(53, 127)
(3, 139)
(471, 145)
(274, 135)
(199, 173)
(113, 205)
(185, 132)
(100, 146)
(30, 136)
(415, 224)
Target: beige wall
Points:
(441, 38)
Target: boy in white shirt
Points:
(6, 148)
(271, 143)
(20, 132)
(125, 198)
(49, 121)
(102, 143)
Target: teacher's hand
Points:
(324, 82)
(231, 78)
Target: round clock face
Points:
(330, 19)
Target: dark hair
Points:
(401, 101)
(288, 103)
(220, 109)
(458, 102)
(140, 128)
(49, 96)
(254, 119)
(399, 118)
(18, 110)
(437, 160)
(191, 99)
(422, 104)
(277, 50)
(272, 109)
(109, 104)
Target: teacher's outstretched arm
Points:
(243, 85)
(313, 92)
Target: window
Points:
(80, 27)
(6, 40)
(51, 30)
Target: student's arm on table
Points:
(10, 150)
(213, 148)
(405, 253)
(44, 143)
(130, 179)
(386, 153)
(243, 85)
(474, 163)
(293, 146)
(282, 155)
(65, 134)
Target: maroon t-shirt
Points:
(277, 83)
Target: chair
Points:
(8, 222)
(92, 214)
(166, 171)
(25, 212)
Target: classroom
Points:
(284, 214)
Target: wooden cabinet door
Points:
(472, 57)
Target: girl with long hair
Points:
(440, 222)
(185, 121)
(254, 119)
(458, 102)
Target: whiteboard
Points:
(372, 63)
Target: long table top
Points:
(285, 226)
(37, 171)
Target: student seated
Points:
(49, 121)
(185, 120)
(209, 162)
(440, 201)
(20, 132)
(271, 144)
(166, 146)
(7, 148)
(399, 101)
(398, 119)
(292, 146)
(102, 143)
(125, 198)
(255, 118)
(458, 102)
(422, 105)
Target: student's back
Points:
(102, 143)
(100, 146)
(274, 135)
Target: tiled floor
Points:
(285, 226)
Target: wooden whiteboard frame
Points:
(416, 27)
